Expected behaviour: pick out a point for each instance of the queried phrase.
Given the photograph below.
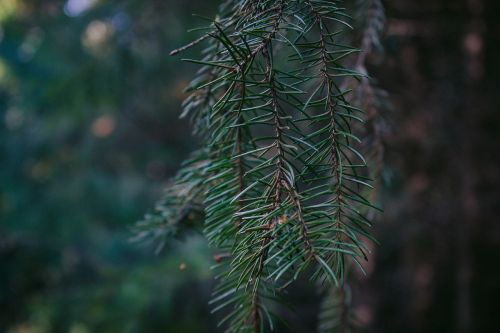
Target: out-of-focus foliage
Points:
(89, 131)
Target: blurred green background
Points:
(89, 134)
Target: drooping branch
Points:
(281, 186)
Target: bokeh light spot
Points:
(103, 126)
(74, 8)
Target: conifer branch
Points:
(282, 182)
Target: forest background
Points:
(90, 133)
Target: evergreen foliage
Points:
(282, 179)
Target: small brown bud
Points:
(282, 219)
